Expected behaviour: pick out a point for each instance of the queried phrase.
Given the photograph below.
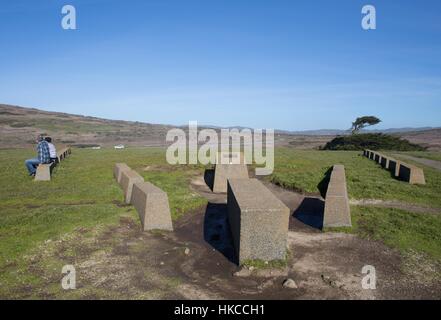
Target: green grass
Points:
(304, 170)
(82, 193)
(425, 154)
(399, 229)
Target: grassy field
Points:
(83, 193)
(425, 154)
(304, 171)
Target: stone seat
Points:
(44, 171)
(228, 166)
(337, 212)
(258, 221)
(128, 179)
(119, 169)
(152, 206)
(411, 174)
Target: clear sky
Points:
(291, 65)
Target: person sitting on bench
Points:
(43, 156)
(52, 150)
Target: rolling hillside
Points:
(19, 127)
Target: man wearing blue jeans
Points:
(43, 156)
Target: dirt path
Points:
(427, 162)
(325, 265)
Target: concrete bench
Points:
(119, 169)
(337, 212)
(385, 162)
(228, 166)
(258, 221)
(411, 174)
(376, 157)
(44, 171)
(394, 167)
(128, 179)
(367, 153)
(60, 156)
(152, 206)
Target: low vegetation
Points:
(84, 195)
(305, 171)
(406, 231)
(373, 141)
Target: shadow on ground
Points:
(311, 212)
(209, 178)
(217, 230)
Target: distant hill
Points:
(19, 127)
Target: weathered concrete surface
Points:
(401, 170)
(43, 172)
(128, 179)
(376, 157)
(380, 158)
(152, 206)
(119, 169)
(385, 162)
(237, 169)
(258, 221)
(337, 212)
(411, 174)
(394, 167)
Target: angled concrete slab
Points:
(258, 221)
(152, 206)
(128, 179)
(337, 212)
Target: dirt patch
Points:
(197, 261)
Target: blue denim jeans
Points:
(32, 164)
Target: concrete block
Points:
(376, 157)
(394, 167)
(128, 179)
(236, 169)
(337, 212)
(411, 174)
(258, 221)
(152, 206)
(118, 170)
(385, 162)
(43, 172)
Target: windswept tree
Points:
(363, 122)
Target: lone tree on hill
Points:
(363, 122)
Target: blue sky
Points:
(291, 65)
